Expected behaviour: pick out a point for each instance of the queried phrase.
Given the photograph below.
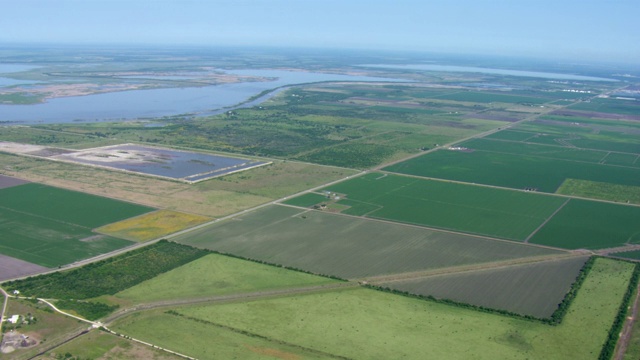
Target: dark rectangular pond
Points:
(175, 164)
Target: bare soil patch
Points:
(12, 268)
(8, 181)
(16, 148)
(14, 340)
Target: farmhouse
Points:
(14, 319)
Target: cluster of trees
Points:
(109, 276)
(563, 307)
(87, 309)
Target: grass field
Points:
(207, 341)
(216, 275)
(366, 324)
(348, 247)
(600, 190)
(51, 226)
(473, 209)
(152, 225)
(513, 170)
(584, 224)
(531, 289)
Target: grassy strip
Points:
(254, 335)
(554, 319)
(614, 333)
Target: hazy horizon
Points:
(568, 30)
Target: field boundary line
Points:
(469, 268)
(526, 241)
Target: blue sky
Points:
(567, 29)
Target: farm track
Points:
(468, 268)
(611, 251)
(625, 335)
(4, 307)
(546, 221)
(228, 298)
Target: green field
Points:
(614, 106)
(600, 190)
(516, 171)
(613, 135)
(348, 247)
(224, 275)
(487, 97)
(531, 289)
(473, 209)
(67, 206)
(51, 226)
(584, 224)
(622, 159)
(366, 324)
(635, 254)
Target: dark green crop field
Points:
(473, 209)
(635, 254)
(613, 135)
(51, 227)
(583, 224)
(514, 170)
(487, 97)
(547, 151)
(67, 206)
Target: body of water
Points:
(451, 68)
(13, 68)
(164, 102)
